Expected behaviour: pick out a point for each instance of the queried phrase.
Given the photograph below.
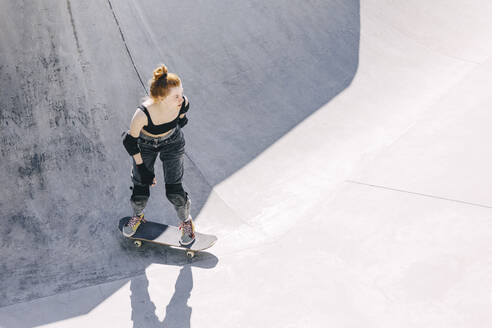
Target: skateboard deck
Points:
(167, 235)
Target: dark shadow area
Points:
(71, 76)
(143, 310)
(253, 70)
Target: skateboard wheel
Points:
(137, 243)
(190, 254)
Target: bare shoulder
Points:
(139, 120)
(139, 116)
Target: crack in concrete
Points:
(419, 194)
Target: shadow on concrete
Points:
(78, 303)
(72, 74)
(178, 313)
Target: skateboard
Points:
(167, 235)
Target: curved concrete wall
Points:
(71, 76)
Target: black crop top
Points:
(163, 128)
(158, 129)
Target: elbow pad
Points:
(131, 144)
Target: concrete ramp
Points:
(338, 149)
(72, 76)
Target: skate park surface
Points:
(336, 148)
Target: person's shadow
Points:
(178, 313)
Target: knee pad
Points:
(140, 192)
(176, 194)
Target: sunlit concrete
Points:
(373, 211)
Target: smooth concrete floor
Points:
(374, 211)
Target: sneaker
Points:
(131, 227)
(187, 232)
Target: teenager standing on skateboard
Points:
(155, 130)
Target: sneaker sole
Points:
(187, 244)
(128, 235)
